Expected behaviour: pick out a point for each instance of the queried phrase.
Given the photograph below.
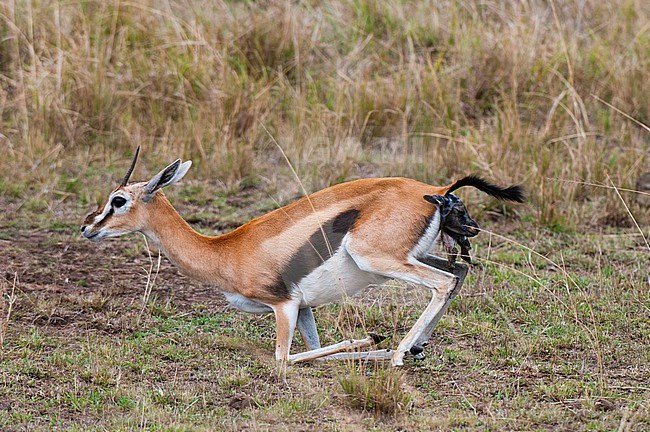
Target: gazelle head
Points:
(127, 207)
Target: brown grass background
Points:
(514, 91)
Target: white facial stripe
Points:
(107, 208)
(102, 215)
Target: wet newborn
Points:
(456, 226)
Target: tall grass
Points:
(7, 301)
(349, 88)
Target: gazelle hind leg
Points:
(435, 308)
(306, 325)
(441, 283)
(460, 271)
(347, 345)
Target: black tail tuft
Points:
(511, 193)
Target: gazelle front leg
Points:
(286, 316)
(305, 324)
(307, 327)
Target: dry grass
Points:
(7, 300)
(349, 88)
(554, 339)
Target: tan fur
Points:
(248, 259)
(333, 243)
(391, 218)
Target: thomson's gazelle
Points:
(317, 250)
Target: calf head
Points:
(454, 218)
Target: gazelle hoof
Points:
(398, 359)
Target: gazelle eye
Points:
(118, 201)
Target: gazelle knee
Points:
(445, 289)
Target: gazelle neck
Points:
(201, 257)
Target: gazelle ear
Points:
(168, 176)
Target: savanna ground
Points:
(552, 328)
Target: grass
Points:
(376, 389)
(7, 300)
(552, 328)
(525, 346)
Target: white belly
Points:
(336, 278)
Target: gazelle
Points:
(317, 250)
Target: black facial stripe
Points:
(322, 244)
(107, 217)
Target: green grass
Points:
(525, 346)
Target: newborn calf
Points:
(456, 226)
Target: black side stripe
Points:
(322, 244)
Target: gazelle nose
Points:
(83, 228)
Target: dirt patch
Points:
(65, 280)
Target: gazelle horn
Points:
(125, 180)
